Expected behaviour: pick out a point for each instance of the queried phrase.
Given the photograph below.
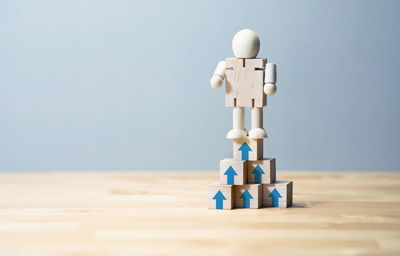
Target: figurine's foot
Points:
(236, 134)
(257, 133)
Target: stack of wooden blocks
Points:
(248, 180)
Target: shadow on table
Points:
(299, 205)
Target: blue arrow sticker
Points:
(275, 197)
(258, 172)
(230, 175)
(245, 151)
(219, 200)
(246, 196)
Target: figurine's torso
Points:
(244, 83)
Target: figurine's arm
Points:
(270, 79)
(219, 75)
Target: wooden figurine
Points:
(233, 172)
(248, 81)
(220, 197)
(278, 194)
(248, 196)
(261, 171)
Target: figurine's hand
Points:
(269, 89)
(216, 81)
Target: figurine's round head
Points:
(246, 44)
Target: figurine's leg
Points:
(238, 130)
(257, 131)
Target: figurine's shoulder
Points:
(231, 62)
(256, 63)
(251, 63)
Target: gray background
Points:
(124, 85)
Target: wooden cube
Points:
(232, 172)
(248, 196)
(278, 194)
(261, 171)
(220, 197)
(247, 149)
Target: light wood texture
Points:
(165, 213)
(227, 192)
(246, 44)
(257, 131)
(270, 79)
(256, 145)
(255, 191)
(270, 73)
(238, 130)
(220, 69)
(219, 75)
(238, 166)
(284, 188)
(268, 166)
(245, 83)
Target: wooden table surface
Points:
(165, 213)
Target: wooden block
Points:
(247, 149)
(248, 196)
(245, 83)
(261, 171)
(233, 172)
(220, 197)
(278, 194)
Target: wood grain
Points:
(256, 145)
(245, 83)
(267, 165)
(165, 213)
(240, 168)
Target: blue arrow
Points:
(230, 175)
(245, 151)
(219, 199)
(246, 198)
(275, 197)
(258, 172)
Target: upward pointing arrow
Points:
(275, 197)
(230, 175)
(245, 151)
(258, 172)
(219, 200)
(246, 196)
